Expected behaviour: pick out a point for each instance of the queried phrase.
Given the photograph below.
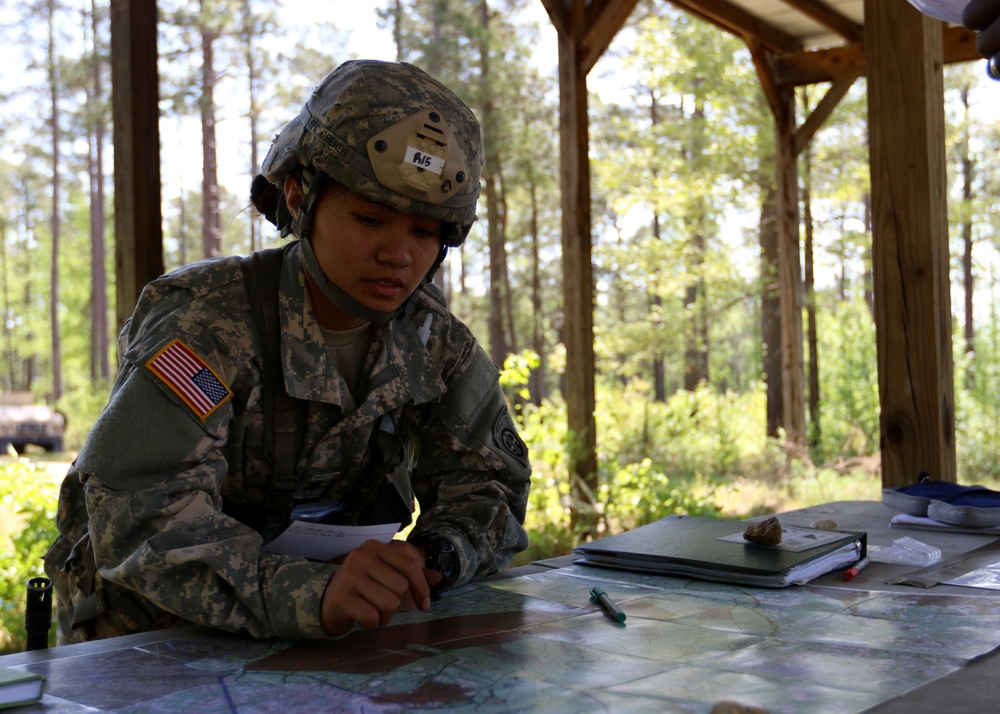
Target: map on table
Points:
(539, 642)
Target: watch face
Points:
(441, 557)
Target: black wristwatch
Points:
(442, 557)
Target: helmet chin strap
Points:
(302, 222)
(337, 296)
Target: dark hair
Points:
(265, 197)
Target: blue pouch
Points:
(916, 498)
(971, 509)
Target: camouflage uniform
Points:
(162, 478)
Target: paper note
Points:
(321, 542)
(794, 538)
(987, 577)
(947, 10)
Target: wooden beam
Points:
(790, 273)
(763, 62)
(782, 102)
(738, 22)
(558, 15)
(904, 54)
(135, 107)
(848, 62)
(821, 112)
(604, 19)
(829, 18)
(578, 280)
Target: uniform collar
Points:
(403, 370)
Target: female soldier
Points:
(190, 470)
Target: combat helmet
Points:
(392, 133)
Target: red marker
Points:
(856, 568)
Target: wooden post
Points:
(578, 278)
(903, 52)
(789, 271)
(781, 99)
(135, 106)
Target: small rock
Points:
(766, 532)
(827, 524)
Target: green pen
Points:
(598, 595)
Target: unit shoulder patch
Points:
(506, 436)
(190, 378)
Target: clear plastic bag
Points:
(905, 551)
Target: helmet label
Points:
(424, 160)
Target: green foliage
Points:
(82, 405)
(27, 527)
(699, 453)
(849, 403)
(977, 412)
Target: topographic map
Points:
(537, 642)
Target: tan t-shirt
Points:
(349, 349)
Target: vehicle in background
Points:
(23, 422)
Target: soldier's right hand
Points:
(373, 583)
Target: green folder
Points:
(18, 688)
(714, 549)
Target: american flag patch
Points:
(190, 378)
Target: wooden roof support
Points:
(737, 21)
(781, 99)
(829, 18)
(585, 30)
(849, 61)
(574, 25)
(135, 107)
(904, 55)
(821, 112)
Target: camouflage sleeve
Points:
(472, 474)
(153, 473)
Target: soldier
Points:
(383, 397)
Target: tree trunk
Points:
(770, 304)
(504, 267)
(869, 277)
(967, 242)
(397, 30)
(536, 382)
(810, 298)
(253, 76)
(211, 229)
(498, 338)
(696, 348)
(655, 301)
(100, 367)
(56, 198)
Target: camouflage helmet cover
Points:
(392, 133)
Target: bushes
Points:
(28, 497)
(699, 453)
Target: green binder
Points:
(714, 549)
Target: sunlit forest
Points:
(682, 183)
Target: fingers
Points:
(984, 17)
(373, 583)
(988, 40)
(980, 13)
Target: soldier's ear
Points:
(293, 194)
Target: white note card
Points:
(317, 541)
(947, 10)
